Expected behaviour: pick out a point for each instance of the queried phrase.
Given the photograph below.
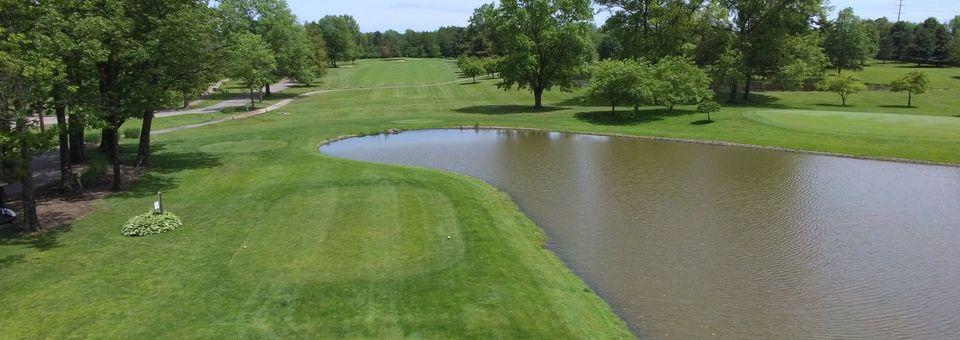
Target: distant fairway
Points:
(862, 124)
(387, 72)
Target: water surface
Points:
(699, 241)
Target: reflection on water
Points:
(697, 241)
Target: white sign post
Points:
(158, 205)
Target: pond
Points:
(689, 240)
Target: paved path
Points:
(239, 101)
(46, 167)
(285, 102)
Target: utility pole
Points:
(899, 10)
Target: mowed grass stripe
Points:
(887, 125)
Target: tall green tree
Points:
(654, 29)
(72, 38)
(341, 34)
(250, 61)
(610, 83)
(276, 25)
(727, 70)
(929, 44)
(953, 48)
(901, 38)
(318, 50)
(761, 29)
(679, 81)
(802, 61)
(181, 57)
(288, 41)
(483, 37)
(848, 41)
(886, 50)
(546, 43)
(451, 40)
(28, 73)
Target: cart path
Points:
(286, 102)
(46, 167)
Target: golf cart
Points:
(6, 215)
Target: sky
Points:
(428, 15)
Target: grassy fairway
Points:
(333, 248)
(336, 248)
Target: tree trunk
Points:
(267, 90)
(143, 153)
(839, 70)
(538, 97)
(77, 153)
(43, 125)
(31, 222)
(909, 98)
(114, 147)
(746, 89)
(66, 169)
(186, 100)
(106, 137)
(253, 102)
(733, 91)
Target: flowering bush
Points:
(151, 224)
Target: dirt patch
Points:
(57, 211)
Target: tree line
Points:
(97, 64)
(543, 44)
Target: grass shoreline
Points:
(662, 139)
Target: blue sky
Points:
(421, 15)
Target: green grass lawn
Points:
(281, 241)
(880, 73)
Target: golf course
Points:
(280, 240)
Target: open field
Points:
(282, 241)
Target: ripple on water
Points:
(691, 241)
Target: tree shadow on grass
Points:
(910, 65)
(702, 122)
(611, 118)
(627, 118)
(898, 107)
(839, 106)
(44, 241)
(164, 166)
(506, 109)
(758, 100)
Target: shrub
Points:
(844, 85)
(151, 224)
(131, 133)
